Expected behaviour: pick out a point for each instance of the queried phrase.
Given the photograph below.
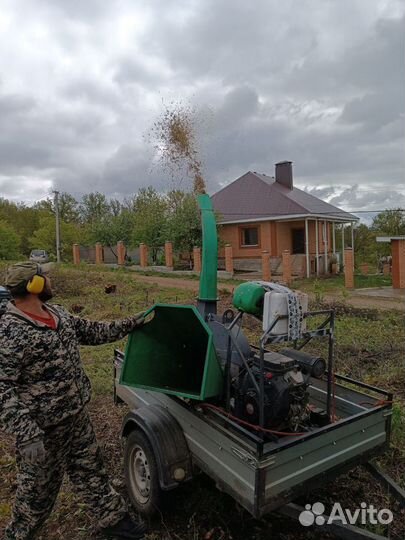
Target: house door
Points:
(298, 241)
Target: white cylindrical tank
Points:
(275, 305)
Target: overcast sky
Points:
(317, 82)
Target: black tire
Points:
(141, 474)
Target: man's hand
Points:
(139, 319)
(33, 452)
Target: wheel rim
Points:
(140, 474)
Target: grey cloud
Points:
(376, 62)
(321, 192)
(92, 91)
(374, 110)
(79, 10)
(133, 71)
(318, 83)
(358, 199)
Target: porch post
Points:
(326, 245)
(352, 241)
(334, 237)
(317, 246)
(343, 245)
(307, 248)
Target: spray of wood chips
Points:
(176, 141)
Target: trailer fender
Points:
(167, 440)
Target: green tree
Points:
(9, 242)
(184, 222)
(390, 222)
(45, 236)
(69, 210)
(112, 229)
(94, 207)
(23, 220)
(150, 219)
(365, 245)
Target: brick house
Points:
(262, 213)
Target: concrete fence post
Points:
(99, 253)
(76, 254)
(121, 253)
(197, 259)
(398, 264)
(266, 272)
(349, 273)
(287, 273)
(143, 255)
(169, 255)
(228, 258)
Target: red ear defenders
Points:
(37, 283)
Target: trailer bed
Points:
(263, 476)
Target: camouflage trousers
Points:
(72, 448)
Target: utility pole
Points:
(56, 202)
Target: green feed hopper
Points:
(173, 353)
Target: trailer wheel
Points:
(141, 473)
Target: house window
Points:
(250, 237)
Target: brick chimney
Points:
(284, 175)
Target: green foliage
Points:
(9, 242)
(111, 229)
(45, 236)
(69, 209)
(150, 218)
(23, 220)
(184, 223)
(390, 222)
(365, 245)
(94, 207)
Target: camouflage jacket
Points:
(42, 380)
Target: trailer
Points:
(175, 426)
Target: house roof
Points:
(258, 197)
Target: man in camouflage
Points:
(44, 393)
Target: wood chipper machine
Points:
(268, 421)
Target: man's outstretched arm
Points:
(96, 333)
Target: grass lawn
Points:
(370, 347)
(331, 283)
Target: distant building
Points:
(259, 212)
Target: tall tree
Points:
(150, 219)
(45, 236)
(9, 242)
(93, 207)
(390, 222)
(112, 229)
(184, 223)
(23, 220)
(365, 245)
(69, 210)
